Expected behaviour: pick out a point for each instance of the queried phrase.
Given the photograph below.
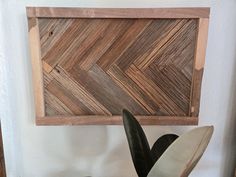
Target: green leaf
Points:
(138, 144)
(161, 145)
(181, 156)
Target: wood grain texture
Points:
(92, 68)
(101, 66)
(58, 12)
(199, 66)
(115, 120)
(34, 41)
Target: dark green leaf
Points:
(161, 145)
(138, 144)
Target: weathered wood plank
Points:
(166, 104)
(147, 42)
(106, 91)
(67, 98)
(123, 43)
(176, 45)
(79, 91)
(134, 90)
(58, 12)
(54, 106)
(69, 41)
(51, 31)
(173, 84)
(115, 120)
(113, 32)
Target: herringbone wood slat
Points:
(100, 66)
(89, 63)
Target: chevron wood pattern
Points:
(98, 66)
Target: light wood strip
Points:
(58, 12)
(201, 43)
(46, 67)
(34, 41)
(199, 62)
(115, 120)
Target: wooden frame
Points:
(33, 13)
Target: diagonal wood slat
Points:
(100, 66)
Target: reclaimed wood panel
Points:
(91, 67)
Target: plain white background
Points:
(102, 151)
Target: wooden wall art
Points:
(89, 64)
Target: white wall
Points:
(102, 151)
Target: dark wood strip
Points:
(144, 60)
(127, 84)
(123, 43)
(188, 70)
(79, 91)
(80, 50)
(57, 12)
(47, 78)
(95, 41)
(50, 31)
(114, 31)
(173, 83)
(106, 91)
(67, 98)
(54, 106)
(115, 120)
(70, 38)
(165, 103)
(145, 42)
(180, 48)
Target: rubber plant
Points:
(171, 155)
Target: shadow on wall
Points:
(79, 150)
